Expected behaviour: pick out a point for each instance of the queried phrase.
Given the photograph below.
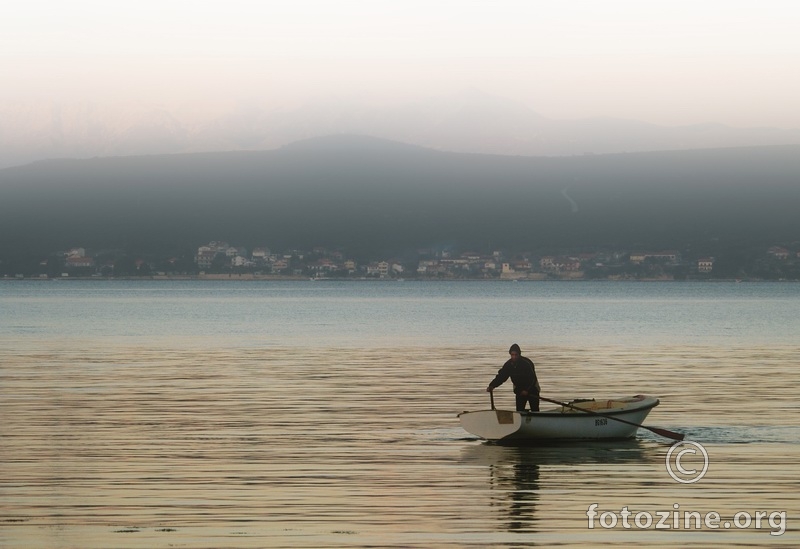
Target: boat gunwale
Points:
(575, 414)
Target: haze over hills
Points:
(469, 121)
(376, 196)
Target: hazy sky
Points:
(668, 62)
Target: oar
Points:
(491, 398)
(656, 430)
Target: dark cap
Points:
(514, 348)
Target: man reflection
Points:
(518, 477)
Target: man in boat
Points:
(523, 375)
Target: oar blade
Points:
(665, 433)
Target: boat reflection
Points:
(516, 472)
(590, 451)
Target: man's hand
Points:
(489, 389)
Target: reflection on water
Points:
(520, 483)
(560, 453)
(514, 471)
(125, 446)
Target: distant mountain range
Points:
(372, 196)
(469, 122)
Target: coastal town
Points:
(221, 260)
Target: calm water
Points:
(308, 414)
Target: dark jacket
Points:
(522, 374)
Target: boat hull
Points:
(596, 420)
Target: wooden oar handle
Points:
(491, 398)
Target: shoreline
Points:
(290, 278)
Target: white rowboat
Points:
(593, 419)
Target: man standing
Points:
(523, 375)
